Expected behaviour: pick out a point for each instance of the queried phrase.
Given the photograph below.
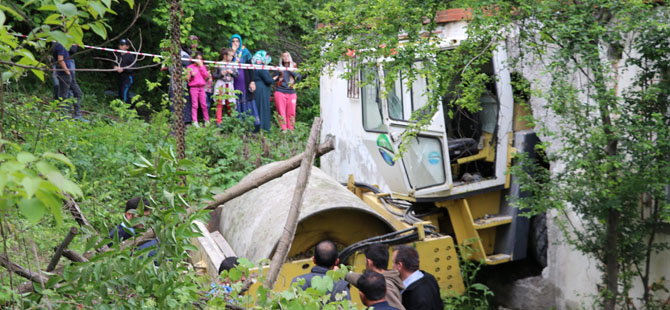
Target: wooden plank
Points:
(211, 253)
(223, 244)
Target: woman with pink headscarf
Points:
(285, 94)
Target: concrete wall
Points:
(575, 275)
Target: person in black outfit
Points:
(372, 289)
(124, 70)
(325, 258)
(421, 289)
(63, 73)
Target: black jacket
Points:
(249, 75)
(339, 287)
(126, 61)
(423, 294)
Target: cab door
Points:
(425, 162)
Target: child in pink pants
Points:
(198, 76)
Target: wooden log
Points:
(271, 174)
(74, 256)
(26, 287)
(296, 202)
(241, 188)
(62, 246)
(22, 271)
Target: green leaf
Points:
(107, 3)
(55, 177)
(67, 9)
(98, 8)
(17, 16)
(38, 73)
(322, 284)
(52, 201)
(131, 3)
(99, 29)
(6, 75)
(146, 161)
(4, 178)
(2, 18)
(77, 34)
(33, 209)
(11, 166)
(234, 274)
(61, 37)
(53, 19)
(31, 185)
(60, 157)
(49, 7)
(25, 157)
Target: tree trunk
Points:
(612, 259)
(176, 77)
(294, 212)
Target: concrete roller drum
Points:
(253, 222)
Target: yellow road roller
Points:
(449, 195)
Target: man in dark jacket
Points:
(124, 232)
(377, 260)
(421, 289)
(325, 258)
(372, 286)
(124, 70)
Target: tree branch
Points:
(74, 209)
(294, 212)
(279, 170)
(22, 271)
(59, 249)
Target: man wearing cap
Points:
(124, 69)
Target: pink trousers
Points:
(286, 109)
(198, 95)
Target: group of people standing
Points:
(248, 91)
(403, 287)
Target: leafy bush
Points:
(477, 295)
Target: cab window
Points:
(372, 111)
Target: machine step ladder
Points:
(476, 236)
